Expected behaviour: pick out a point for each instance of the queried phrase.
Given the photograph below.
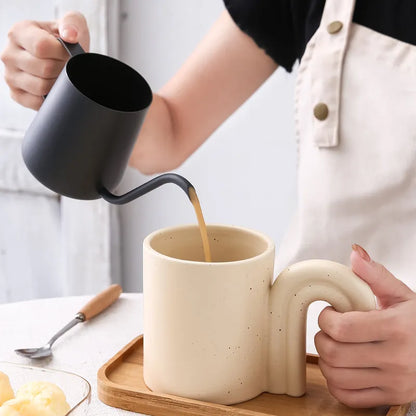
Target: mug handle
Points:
(294, 290)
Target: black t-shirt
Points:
(283, 27)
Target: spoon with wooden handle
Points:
(95, 306)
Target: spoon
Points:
(95, 306)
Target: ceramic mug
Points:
(222, 331)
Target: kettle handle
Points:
(72, 48)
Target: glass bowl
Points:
(77, 390)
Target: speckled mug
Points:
(222, 331)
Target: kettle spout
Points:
(293, 291)
(147, 187)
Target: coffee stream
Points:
(201, 222)
(155, 183)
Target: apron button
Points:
(321, 111)
(334, 27)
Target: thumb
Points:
(384, 285)
(73, 28)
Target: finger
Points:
(43, 68)
(339, 354)
(37, 41)
(25, 99)
(398, 387)
(362, 398)
(385, 286)
(73, 28)
(28, 83)
(356, 326)
(350, 378)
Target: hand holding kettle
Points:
(33, 58)
(368, 357)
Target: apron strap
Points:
(326, 69)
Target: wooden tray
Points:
(121, 384)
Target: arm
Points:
(223, 71)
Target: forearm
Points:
(155, 150)
(224, 70)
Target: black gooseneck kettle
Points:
(79, 142)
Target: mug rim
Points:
(270, 243)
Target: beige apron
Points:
(356, 127)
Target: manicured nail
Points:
(361, 252)
(69, 33)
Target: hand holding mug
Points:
(33, 57)
(368, 358)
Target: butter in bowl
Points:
(36, 391)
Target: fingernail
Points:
(69, 33)
(361, 252)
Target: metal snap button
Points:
(334, 27)
(321, 111)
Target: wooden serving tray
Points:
(121, 384)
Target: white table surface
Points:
(85, 348)
(82, 350)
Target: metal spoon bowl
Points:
(95, 306)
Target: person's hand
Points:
(369, 358)
(33, 57)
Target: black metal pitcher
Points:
(80, 141)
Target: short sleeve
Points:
(270, 24)
(283, 28)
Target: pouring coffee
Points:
(79, 142)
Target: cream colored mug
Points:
(223, 332)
